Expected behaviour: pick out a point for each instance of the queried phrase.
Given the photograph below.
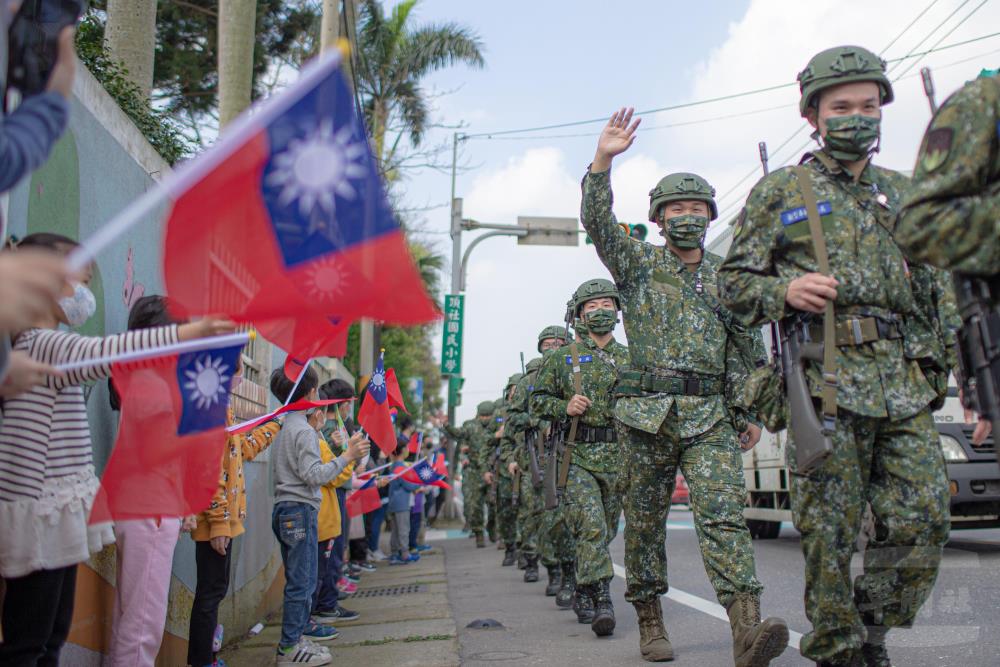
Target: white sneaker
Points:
(379, 555)
(317, 647)
(303, 653)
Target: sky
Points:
(561, 61)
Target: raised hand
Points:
(616, 138)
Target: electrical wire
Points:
(907, 28)
(928, 36)
(943, 37)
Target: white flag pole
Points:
(187, 174)
(195, 345)
(302, 374)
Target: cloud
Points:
(534, 183)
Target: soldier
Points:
(837, 208)
(499, 475)
(578, 382)
(475, 434)
(688, 357)
(949, 216)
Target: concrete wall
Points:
(100, 165)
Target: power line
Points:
(907, 28)
(944, 37)
(928, 35)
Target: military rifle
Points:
(515, 496)
(790, 343)
(552, 467)
(530, 446)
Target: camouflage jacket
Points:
(498, 446)
(598, 375)
(669, 326)
(519, 421)
(772, 246)
(479, 438)
(950, 216)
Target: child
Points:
(336, 432)
(400, 498)
(299, 474)
(216, 529)
(47, 480)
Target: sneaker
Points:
(413, 558)
(354, 568)
(320, 633)
(316, 647)
(345, 614)
(303, 653)
(347, 586)
(353, 578)
(379, 555)
(367, 567)
(423, 547)
(396, 560)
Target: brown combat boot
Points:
(755, 643)
(653, 641)
(480, 542)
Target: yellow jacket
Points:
(329, 509)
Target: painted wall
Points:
(99, 166)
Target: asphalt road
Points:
(960, 624)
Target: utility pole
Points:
(329, 29)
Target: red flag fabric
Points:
(392, 389)
(165, 462)
(301, 404)
(286, 219)
(440, 465)
(305, 338)
(424, 474)
(364, 500)
(373, 416)
(413, 446)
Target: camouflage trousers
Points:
(898, 468)
(529, 516)
(712, 464)
(555, 540)
(506, 511)
(592, 506)
(473, 498)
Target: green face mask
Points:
(686, 232)
(851, 138)
(601, 321)
(580, 326)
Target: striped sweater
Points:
(47, 480)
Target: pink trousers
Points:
(145, 554)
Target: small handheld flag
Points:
(424, 474)
(374, 414)
(413, 446)
(364, 500)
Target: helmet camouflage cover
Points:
(554, 331)
(533, 365)
(839, 65)
(681, 186)
(513, 380)
(485, 409)
(596, 288)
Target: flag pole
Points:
(298, 380)
(183, 347)
(178, 181)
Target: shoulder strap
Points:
(725, 317)
(829, 395)
(574, 353)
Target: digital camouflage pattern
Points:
(655, 299)
(886, 449)
(772, 246)
(950, 216)
(592, 499)
(473, 434)
(519, 421)
(713, 468)
(664, 431)
(556, 543)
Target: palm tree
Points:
(393, 58)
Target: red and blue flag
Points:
(423, 473)
(171, 438)
(286, 220)
(374, 416)
(364, 500)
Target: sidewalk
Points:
(405, 621)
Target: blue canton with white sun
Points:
(320, 184)
(204, 380)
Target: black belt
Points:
(586, 433)
(639, 383)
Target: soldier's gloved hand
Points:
(749, 437)
(513, 468)
(811, 292)
(577, 405)
(488, 477)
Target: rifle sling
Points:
(574, 424)
(829, 390)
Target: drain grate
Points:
(390, 591)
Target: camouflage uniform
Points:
(519, 421)
(592, 499)
(886, 449)
(949, 217)
(506, 512)
(476, 436)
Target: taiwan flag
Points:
(423, 473)
(374, 416)
(364, 500)
(167, 458)
(285, 223)
(413, 446)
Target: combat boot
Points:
(653, 641)
(522, 560)
(755, 643)
(555, 580)
(583, 603)
(508, 556)
(564, 598)
(604, 613)
(531, 571)
(480, 542)
(873, 651)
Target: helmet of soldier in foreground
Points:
(598, 288)
(681, 187)
(840, 65)
(485, 409)
(554, 331)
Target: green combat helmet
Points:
(554, 331)
(511, 381)
(681, 187)
(594, 289)
(841, 64)
(485, 409)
